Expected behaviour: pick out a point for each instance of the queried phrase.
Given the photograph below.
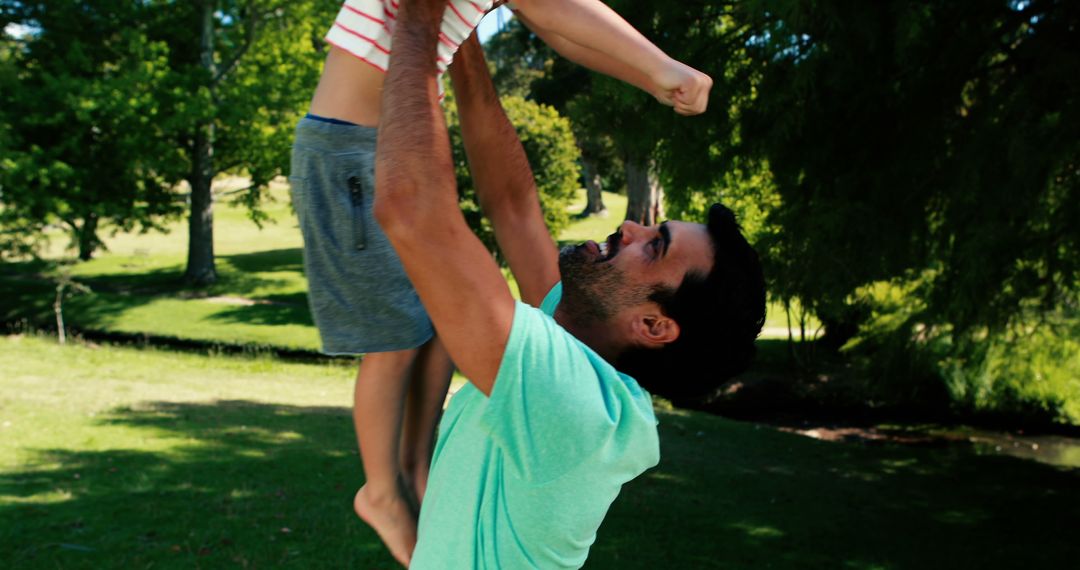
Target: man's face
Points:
(600, 280)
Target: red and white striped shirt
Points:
(364, 27)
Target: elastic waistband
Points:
(330, 120)
(334, 137)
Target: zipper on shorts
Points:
(356, 192)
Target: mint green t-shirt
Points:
(524, 478)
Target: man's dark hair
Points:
(719, 316)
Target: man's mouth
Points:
(605, 250)
(610, 247)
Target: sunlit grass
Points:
(595, 227)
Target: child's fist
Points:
(683, 87)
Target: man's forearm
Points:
(413, 146)
(504, 182)
(416, 204)
(497, 161)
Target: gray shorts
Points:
(360, 297)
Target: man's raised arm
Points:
(504, 181)
(416, 204)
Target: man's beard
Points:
(593, 292)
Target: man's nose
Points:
(630, 231)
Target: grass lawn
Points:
(259, 299)
(118, 457)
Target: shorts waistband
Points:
(334, 137)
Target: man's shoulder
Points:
(539, 326)
(541, 351)
(556, 404)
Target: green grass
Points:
(596, 227)
(118, 457)
(260, 297)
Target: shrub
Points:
(552, 153)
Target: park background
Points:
(907, 170)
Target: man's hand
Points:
(683, 87)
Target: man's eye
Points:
(656, 243)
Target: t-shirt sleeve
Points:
(552, 406)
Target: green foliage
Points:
(20, 233)
(523, 65)
(896, 352)
(278, 51)
(85, 143)
(1029, 371)
(103, 101)
(930, 137)
(1032, 373)
(516, 59)
(549, 145)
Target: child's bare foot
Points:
(391, 518)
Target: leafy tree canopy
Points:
(113, 104)
(84, 100)
(930, 140)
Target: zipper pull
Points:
(356, 190)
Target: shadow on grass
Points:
(281, 310)
(737, 495)
(243, 483)
(289, 259)
(240, 484)
(26, 295)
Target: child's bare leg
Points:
(377, 415)
(429, 381)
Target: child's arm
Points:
(589, 33)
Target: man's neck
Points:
(596, 335)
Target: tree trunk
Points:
(644, 195)
(593, 189)
(88, 240)
(200, 263)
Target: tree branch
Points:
(250, 23)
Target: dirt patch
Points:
(1062, 451)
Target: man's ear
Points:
(653, 330)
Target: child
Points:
(360, 298)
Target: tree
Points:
(250, 68)
(85, 90)
(594, 185)
(934, 140)
(118, 102)
(19, 233)
(918, 167)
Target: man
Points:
(533, 451)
